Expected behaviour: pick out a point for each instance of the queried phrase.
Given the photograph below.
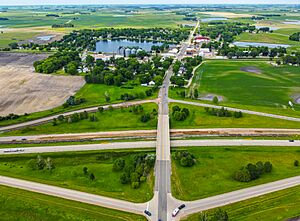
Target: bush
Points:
(185, 158)
(119, 164)
(252, 171)
(296, 163)
(135, 185)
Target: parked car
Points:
(175, 212)
(147, 212)
(291, 140)
(181, 206)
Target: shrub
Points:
(296, 163)
(119, 164)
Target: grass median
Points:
(213, 172)
(68, 172)
(17, 204)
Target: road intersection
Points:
(162, 204)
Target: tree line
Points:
(252, 171)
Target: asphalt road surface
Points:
(162, 153)
(137, 208)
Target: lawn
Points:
(279, 205)
(198, 118)
(68, 173)
(19, 204)
(268, 90)
(109, 120)
(215, 166)
(94, 94)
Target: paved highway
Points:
(163, 154)
(236, 109)
(137, 208)
(90, 109)
(152, 133)
(236, 196)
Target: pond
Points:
(292, 22)
(213, 19)
(258, 44)
(112, 46)
(45, 38)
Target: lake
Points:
(258, 44)
(213, 19)
(292, 22)
(110, 46)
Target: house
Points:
(151, 83)
(201, 39)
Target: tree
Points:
(268, 167)
(203, 217)
(71, 68)
(92, 177)
(40, 162)
(119, 164)
(107, 97)
(124, 178)
(49, 164)
(54, 122)
(242, 175)
(135, 185)
(85, 170)
(215, 100)
(220, 215)
(196, 93)
(89, 60)
(158, 80)
(296, 163)
(100, 109)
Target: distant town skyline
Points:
(101, 2)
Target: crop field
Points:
(35, 22)
(280, 205)
(198, 118)
(18, 204)
(23, 91)
(109, 120)
(213, 172)
(255, 85)
(68, 173)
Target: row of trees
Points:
(134, 170)
(69, 60)
(9, 117)
(216, 215)
(223, 112)
(180, 114)
(252, 171)
(293, 59)
(86, 39)
(185, 158)
(75, 117)
(245, 52)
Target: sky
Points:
(68, 2)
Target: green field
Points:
(68, 173)
(94, 94)
(215, 166)
(267, 91)
(271, 38)
(18, 204)
(109, 120)
(198, 118)
(279, 205)
(34, 22)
